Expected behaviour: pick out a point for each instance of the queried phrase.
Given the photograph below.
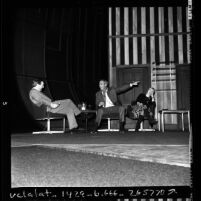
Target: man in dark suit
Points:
(107, 102)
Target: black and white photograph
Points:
(99, 95)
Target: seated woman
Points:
(144, 106)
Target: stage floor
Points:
(169, 150)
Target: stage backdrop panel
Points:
(157, 38)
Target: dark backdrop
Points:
(66, 47)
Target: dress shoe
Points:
(122, 131)
(121, 127)
(93, 132)
(73, 130)
(95, 129)
(153, 122)
(69, 132)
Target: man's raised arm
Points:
(127, 86)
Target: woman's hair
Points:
(153, 90)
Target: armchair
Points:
(46, 115)
(109, 117)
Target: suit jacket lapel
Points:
(110, 95)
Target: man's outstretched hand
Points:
(54, 105)
(134, 83)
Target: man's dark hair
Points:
(104, 80)
(36, 81)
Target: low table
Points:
(161, 121)
(86, 113)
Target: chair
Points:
(47, 116)
(131, 116)
(109, 117)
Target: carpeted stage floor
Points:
(103, 159)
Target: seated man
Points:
(107, 102)
(144, 106)
(66, 106)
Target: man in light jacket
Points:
(65, 106)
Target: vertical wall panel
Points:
(180, 37)
(165, 95)
(130, 20)
(110, 43)
(171, 39)
(152, 49)
(143, 31)
(122, 44)
(139, 39)
(135, 45)
(148, 32)
(166, 30)
(184, 36)
(118, 49)
(126, 40)
(161, 38)
(188, 38)
(152, 41)
(156, 30)
(175, 29)
(113, 40)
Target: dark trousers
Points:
(110, 110)
(141, 118)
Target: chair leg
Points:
(141, 126)
(108, 124)
(182, 121)
(64, 124)
(162, 122)
(49, 131)
(48, 124)
(189, 122)
(159, 122)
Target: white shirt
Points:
(108, 102)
